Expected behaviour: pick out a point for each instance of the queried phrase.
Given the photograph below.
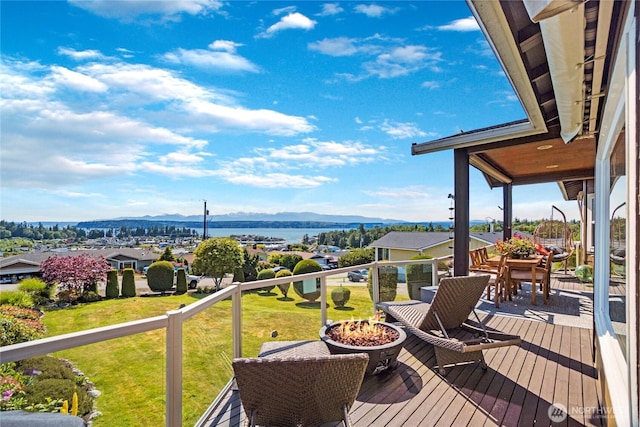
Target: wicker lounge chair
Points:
(445, 323)
(292, 390)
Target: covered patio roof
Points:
(543, 61)
(558, 56)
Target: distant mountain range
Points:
(248, 220)
(262, 217)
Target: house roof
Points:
(421, 240)
(533, 150)
(35, 258)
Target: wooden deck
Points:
(553, 365)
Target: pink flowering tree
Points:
(75, 274)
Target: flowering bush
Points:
(15, 330)
(77, 275)
(518, 245)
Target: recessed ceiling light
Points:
(552, 166)
(544, 147)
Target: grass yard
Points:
(130, 372)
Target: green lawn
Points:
(130, 372)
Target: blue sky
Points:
(134, 108)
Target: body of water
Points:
(291, 235)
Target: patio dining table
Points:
(529, 263)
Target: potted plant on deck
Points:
(516, 247)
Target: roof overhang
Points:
(559, 71)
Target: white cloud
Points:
(225, 45)
(202, 108)
(168, 10)
(397, 130)
(272, 167)
(278, 180)
(211, 59)
(402, 60)
(78, 81)
(388, 58)
(430, 85)
(283, 10)
(293, 21)
(339, 46)
(464, 24)
(408, 192)
(372, 10)
(44, 111)
(80, 55)
(77, 195)
(329, 9)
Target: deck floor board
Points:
(553, 365)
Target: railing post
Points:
(434, 273)
(375, 286)
(236, 321)
(174, 369)
(323, 299)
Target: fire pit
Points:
(380, 341)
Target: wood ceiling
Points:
(522, 161)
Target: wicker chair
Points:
(293, 391)
(445, 324)
(555, 237)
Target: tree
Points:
(128, 283)
(167, 255)
(160, 276)
(303, 267)
(76, 274)
(249, 267)
(285, 260)
(217, 256)
(113, 289)
(356, 257)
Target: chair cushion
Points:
(619, 252)
(541, 249)
(525, 275)
(555, 250)
(39, 419)
(283, 349)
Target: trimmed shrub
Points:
(50, 367)
(160, 276)
(264, 275)
(238, 274)
(92, 287)
(54, 388)
(284, 287)
(89, 296)
(356, 257)
(113, 289)
(387, 282)
(418, 275)
(128, 283)
(39, 291)
(303, 267)
(340, 296)
(181, 281)
(17, 298)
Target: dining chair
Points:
(497, 278)
(515, 277)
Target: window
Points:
(618, 241)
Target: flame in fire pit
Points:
(369, 332)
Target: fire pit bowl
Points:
(381, 356)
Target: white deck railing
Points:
(173, 322)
